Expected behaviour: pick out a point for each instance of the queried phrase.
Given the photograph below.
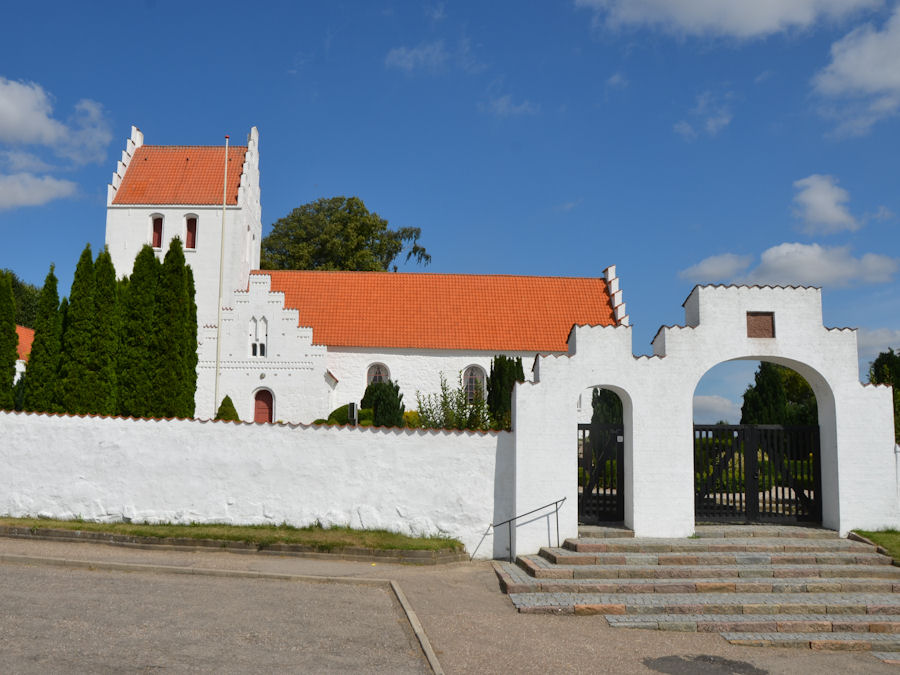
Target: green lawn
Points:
(890, 539)
(318, 537)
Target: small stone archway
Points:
(721, 324)
(603, 500)
(263, 406)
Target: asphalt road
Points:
(56, 619)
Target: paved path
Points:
(77, 620)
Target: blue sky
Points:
(687, 141)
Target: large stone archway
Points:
(783, 325)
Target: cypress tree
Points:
(9, 341)
(189, 384)
(172, 335)
(765, 401)
(387, 405)
(137, 358)
(505, 372)
(107, 334)
(43, 364)
(78, 359)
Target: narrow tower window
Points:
(191, 233)
(157, 231)
(473, 380)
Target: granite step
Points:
(892, 658)
(541, 568)
(604, 532)
(860, 556)
(515, 578)
(740, 531)
(707, 603)
(830, 641)
(772, 623)
(714, 545)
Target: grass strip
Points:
(889, 539)
(315, 536)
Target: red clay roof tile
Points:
(26, 337)
(443, 311)
(181, 174)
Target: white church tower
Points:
(159, 192)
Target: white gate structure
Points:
(722, 323)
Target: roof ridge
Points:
(231, 147)
(429, 274)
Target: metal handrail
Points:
(509, 521)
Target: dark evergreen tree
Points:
(505, 372)
(387, 405)
(78, 359)
(25, 296)
(189, 384)
(138, 361)
(9, 341)
(765, 401)
(606, 407)
(885, 369)
(175, 342)
(106, 344)
(43, 364)
(227, 411)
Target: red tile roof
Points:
(26, 337)
(181, 174)
(443, 311)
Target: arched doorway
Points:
(601, 457)
(263, 406)
(761, 461)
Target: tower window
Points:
(259, 334)
(190, 240)
(157, 232)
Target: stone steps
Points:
(754, 585)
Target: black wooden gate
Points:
(757, 473)
(601, 473)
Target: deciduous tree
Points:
(339, 233)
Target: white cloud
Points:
(504, 106)
(717, 268)
(711, 113)
(815, 265)
(742, 19)
(617, 81)
(712, 409)
(685, 130)
(435, 11)
(796, 264)
(18, 161)
(820, 204)
(565, 207)
(428, 55)
(870, 343)
(25, 189)
(26, 118)
(762, 77)
(863, 77)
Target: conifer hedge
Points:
(9, 341)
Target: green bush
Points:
(387, 405)
(227, 411)
(411, 419)
(451, 409)
(339, 415)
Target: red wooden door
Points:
(262, 411)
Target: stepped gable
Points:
(785, 586)
(180, 174)
(443, 311)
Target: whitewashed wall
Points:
(859, 470)
(181, 471)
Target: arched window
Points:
(473, 381)
(259, 336)
(190, 235)
(263, 406)
(378, 372)
(156, 238)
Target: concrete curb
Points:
(407, 557)
(400, 596)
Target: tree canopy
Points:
(885, 369)
(339, 233)
(25, 296)
(9, 341)
(779, 395)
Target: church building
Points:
(293, 345)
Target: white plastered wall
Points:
(856, 421)
(184, 471)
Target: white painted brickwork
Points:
(182, 471)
